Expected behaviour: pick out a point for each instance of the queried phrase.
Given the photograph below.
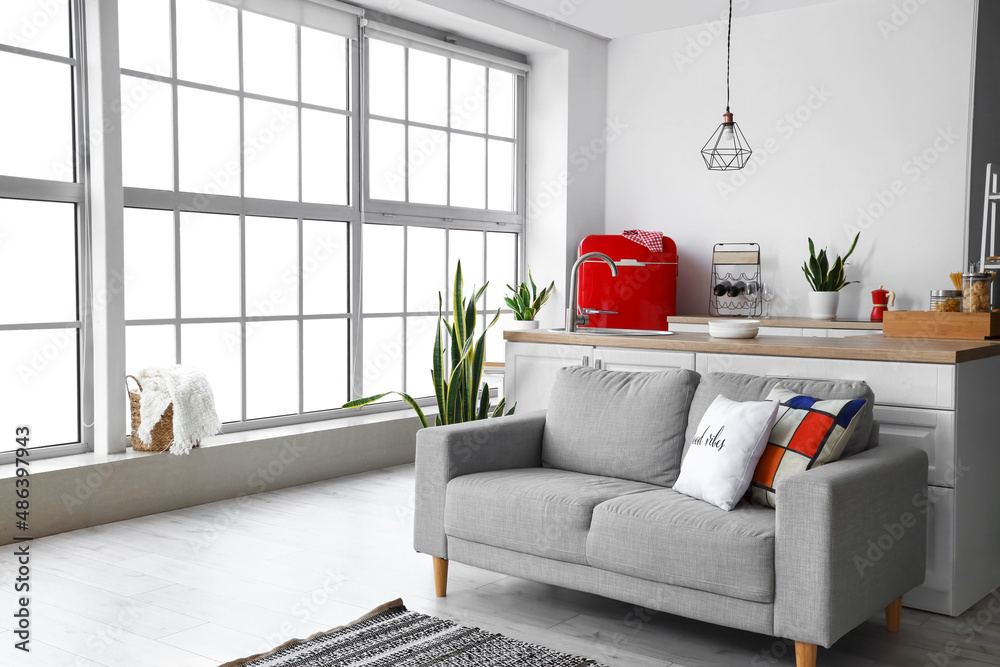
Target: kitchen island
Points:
(930, 394)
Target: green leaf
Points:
(406, 397)
(511, 411)
(812, 248)
(498, 410)
(437, 370)
(457, 305)
(853, 245)
(534, 290)
(484, 403)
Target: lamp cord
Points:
(729, 52)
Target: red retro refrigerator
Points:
(642, 296)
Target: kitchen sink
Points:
(595, 331)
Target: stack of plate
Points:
(733, 328)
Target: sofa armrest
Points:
(851, 537)
(447, 452)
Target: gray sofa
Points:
(580, 496)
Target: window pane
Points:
(325, 277)
(146, 346)
(272, 369)
(428, 88)
(468, 96)
(387, 84)
(272, 266)
(325, 158)
(147, 134)
(40, 386)
(382, 280)
(468, 247)
(420, 332)
(428, 161)
(149, 264)
(501, 267)
(208, 43)
(210, 265)
(383, 363)
(324, 68)
(37, 262)
(271, 150)
(144, 35)
(468, 171)
(325, 347)
(425, 278)
(209, 128)
(501, 171)
(215, 349)
(494, 339)
(36, 120)
(387, 158)
(502, 103)
(35, 25)
(269, 57)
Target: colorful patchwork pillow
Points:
(808, 433)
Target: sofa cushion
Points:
(665, 536)
(538, 511)
(618, 424)
(738, 387)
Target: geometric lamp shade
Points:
(728, 148)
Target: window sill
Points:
(72, 461)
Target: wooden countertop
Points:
(793, 322)
(867, 348)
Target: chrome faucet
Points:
(573, 318)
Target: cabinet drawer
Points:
(894, 383)
(620, 359)
(937, 592)
(930, 430)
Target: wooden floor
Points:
(208, 584)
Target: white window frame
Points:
(76, 192)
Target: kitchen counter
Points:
(793, 322)
(866, 348)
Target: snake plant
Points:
(526, 304)
(456, 375)
(821, 276)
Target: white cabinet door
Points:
(936, 594)
(530, 371)
(930, 430)
(619, 359)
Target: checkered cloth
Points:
(652, 240)
(807, 434)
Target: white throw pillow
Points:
(723, 454)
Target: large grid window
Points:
(237, 162)
(443, 149)
(41, 204)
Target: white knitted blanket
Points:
(194, 405)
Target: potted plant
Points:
(457, 365)
(526, 304)
(826, 281)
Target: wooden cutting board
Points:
(922, 324)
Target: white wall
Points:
(878, 95)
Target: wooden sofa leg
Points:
(892, 615)
(440, 577)
(805, 654)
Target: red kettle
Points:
(882, 298)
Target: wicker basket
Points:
(162, 434)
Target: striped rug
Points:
(393, 636)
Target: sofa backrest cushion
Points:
(619, 424)
(738, 387)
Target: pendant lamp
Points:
(727, 149)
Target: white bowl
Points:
(733, 328)
(734, 333)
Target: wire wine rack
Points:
(735, 262)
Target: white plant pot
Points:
(521, 325)
(823, 305)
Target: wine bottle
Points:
(722, 288)
(737, 289)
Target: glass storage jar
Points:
(976, 292)
(946, 300)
